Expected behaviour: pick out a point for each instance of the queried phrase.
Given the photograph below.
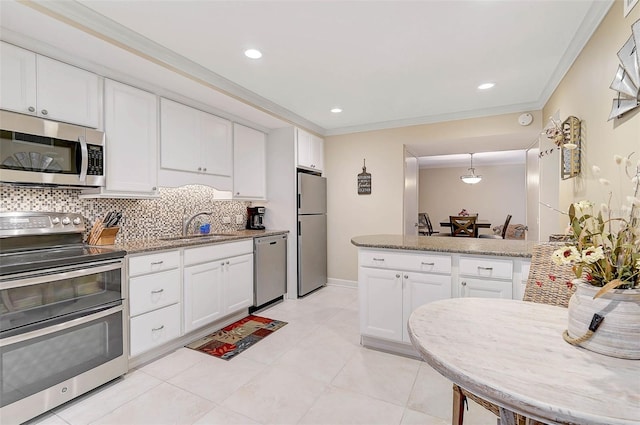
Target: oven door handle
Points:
(85, 317)
(58, 274)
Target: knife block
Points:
(107, 236)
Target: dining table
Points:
(512, 353)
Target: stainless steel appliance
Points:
(62, 319)
(269, 269)
(42, 152)
(255, 218)
(312, 232)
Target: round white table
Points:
(512, 354)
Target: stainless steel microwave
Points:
(42, 152)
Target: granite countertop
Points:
(148, 245)
(478, 246)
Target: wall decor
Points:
(570, 148)
(627, 79)
(364, 180)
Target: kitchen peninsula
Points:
(397, 274)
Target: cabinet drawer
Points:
(486, 267)
(154, 329)
(213, 252)
(421, 262)
(156, 262)
(152, 291)
(485, 288)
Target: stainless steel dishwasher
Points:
(270, 269)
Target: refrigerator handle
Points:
(298, 201)
(299, 229)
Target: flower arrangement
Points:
(554, 132)
(606, 243)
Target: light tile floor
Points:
(312, 371)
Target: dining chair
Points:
(547, 283)
(502, 233)
(464, 226)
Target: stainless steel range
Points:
(62, 318)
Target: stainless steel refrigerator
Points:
(312, 232)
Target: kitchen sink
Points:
(210, 236)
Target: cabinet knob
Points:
(222, 264)
(44, 112)
(227, 263)
(204, 169)
(398, 275)
(463, 283)
(199, 168)
(237, 193)
(31, 109)
(406, 276)
(154, 188)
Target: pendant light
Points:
(472, 177)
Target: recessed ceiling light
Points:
(253, 53)
(485, 86)
(336, 110)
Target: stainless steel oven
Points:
(62, 314)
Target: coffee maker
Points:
(255, 216)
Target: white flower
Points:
(566, 255)
(582, 206)
(592, 254)
(604, 182)
(633, 200)
(618, 159)
(638, 264)
(596, 170)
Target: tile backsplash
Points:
(141, 218)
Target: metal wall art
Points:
(627, 79)
(570, 148)
(364, 180)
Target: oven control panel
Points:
(32, 222)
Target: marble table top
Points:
(499, 247)
(512, 353)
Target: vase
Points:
(619, 333)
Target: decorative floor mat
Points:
(236, 337)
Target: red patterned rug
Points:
(236, 337)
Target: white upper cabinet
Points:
(310, 150)
(131, 127)
(37, 85)
(196, 145)
(249, 163)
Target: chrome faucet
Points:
(186, 221)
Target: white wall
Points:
(502, 191)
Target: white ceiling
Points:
(385, 63)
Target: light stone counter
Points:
(512, 354)
(149, 245)
(478, 246)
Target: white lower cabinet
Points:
(487, 277)
(218, 281)
(155, 328)
(389, 296)
(154, 300)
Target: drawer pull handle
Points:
(157, 263)
(485, 268)
(157, 291)
(157, 329)
(428, 264)
(378, 259)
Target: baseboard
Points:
(392, 347)
(342, 282)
